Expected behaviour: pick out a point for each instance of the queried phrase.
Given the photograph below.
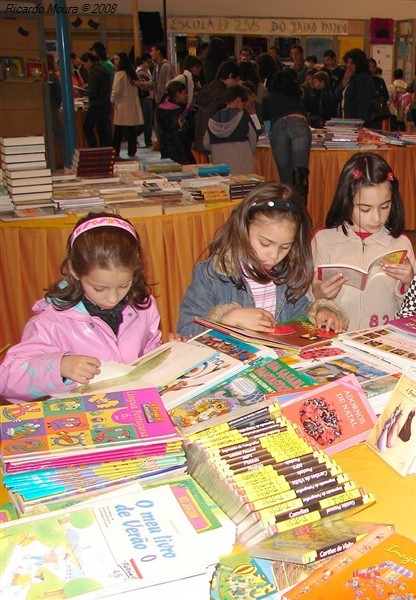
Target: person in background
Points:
(397, 89)
(335, 71)
(201, 53)
(77, 79)
(312, 61)
(408, 307)
(274, 52)
(365, 220)
(127, 110)
(253, 107)
(146, 96)
(231, 136)
(246, 54)
(381, 91)
(192, 66)
(290, 134)
(356, 91)
(327, 104)
(217, 54)
(100, 51)
(212, 98)
(299, 66)
(101, 310)
(411, 115)
(173, 144)
(163, 72)
(55, 95)
(310, 98)
(99, 105)
(259, 268)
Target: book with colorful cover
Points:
(243, 351)
(101, 548)
(313, 542)
(357, 277)
(55, 427)
(333, 416)
(239, 391)
(381, 565)
(393, 437)
(293, 335)
(405, 325)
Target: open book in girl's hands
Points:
(357, 277)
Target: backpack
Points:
(187, 120)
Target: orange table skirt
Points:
(31, 253)
(325, 167)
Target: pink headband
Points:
(101, 222)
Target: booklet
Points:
(357, 277)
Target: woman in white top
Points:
(192, 66)
(125, 100)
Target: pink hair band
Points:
(101, 222)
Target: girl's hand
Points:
(175, 337)
(256, 319)
(329, 288)
(326, 318)
(79, 368)
(403, 272)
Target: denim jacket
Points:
(209, 289)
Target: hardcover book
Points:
(294, 335)
(358, 277)
(333, 416)
(393, 437)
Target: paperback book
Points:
(358, 277)
(393, 437)
(294, 335)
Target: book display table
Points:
(325, 167)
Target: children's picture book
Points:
(227, 344)
(313, 542)
(405, 325)
(358, 277)
(380, 565)
(55, 427)
(387, 342)
(242, 390)
(294, 335)
(333, 416)
(393, 437)
(101, 548)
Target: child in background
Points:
(366, 219)
(259, 268)
(408, 307)
(173, 144)
(102, 310)
(327, 104)
(231, 135)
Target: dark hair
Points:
(89, 56)
(297, 47)
(330, 53)
(398, 73)
(229, 67)
(173, 87)
(100, 50)
(251, 87)
(312, 58)
(126, 66)
(266, 64)
(363, 170)
(286, 82)
(217, 52)
(161, 47)
(246, 49)
(50, 61)
(232, 243)
(322, 76)
(191, 61)
(236, 91)
(372, 60)
(250, 72)
(359, 58)
(103, 247)
(143, 58)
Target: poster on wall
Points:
(381, 31)
(383, 55)
(345, 44)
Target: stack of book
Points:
(208, 169)
(71, 447)
(342, 134)
(94, 162)
(27, 178)
(77, 199)
(267, 477)
(163, 165)
(238, 186)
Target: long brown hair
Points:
(233, 251)
(103, 247)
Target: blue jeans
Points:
(290, 140)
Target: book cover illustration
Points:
(358, 277)
(36, 69)
(12, 68)
(242, 390)
(405, 325)
(131, 542)
(53, 426)
(294, 335)
(393, 437)
(333, 416)
(231, 346)
(313, 542)
(381, 565)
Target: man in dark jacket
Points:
(99, 108)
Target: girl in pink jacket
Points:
(102, 310)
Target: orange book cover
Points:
(381, 565)
(332, 416)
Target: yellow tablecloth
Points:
(31, 253)
(325, 167)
